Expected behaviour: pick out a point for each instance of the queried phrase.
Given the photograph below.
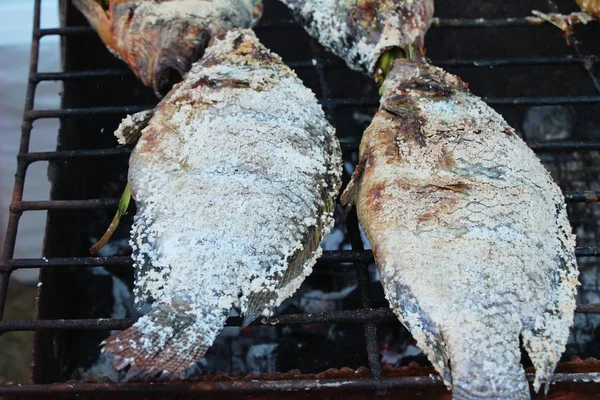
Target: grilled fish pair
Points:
(468, 229)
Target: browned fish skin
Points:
(160, 39)
(469, 232)
(235, 179)
(591, 7)
(360, 31)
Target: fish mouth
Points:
(166, 75)
(171, 68)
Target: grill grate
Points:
(377, 379)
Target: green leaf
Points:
(123, 206)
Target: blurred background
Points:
(16, 19)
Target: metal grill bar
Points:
(18, 207)
(72, 154)
(280, 385)
(491, 62)
(13, 219)
(357, 256)
(328, 103)
(367, 316)
(436, 23)
(63, 205)
(329, 256)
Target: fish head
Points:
(179, 46)
(161, 39)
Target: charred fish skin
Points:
(235, 178)
(160, 40)
(591, 7)
(469, 232)
(360, 31)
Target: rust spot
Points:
(221, 83)
(409, 124)
(364, 13)
(426, 83)
(508, 131)
(455, 187)
(374, 196)
(446, 161)
(391, 153)
(426, 217)
(590, 197)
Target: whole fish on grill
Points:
(160, 39)
(362, 31)
(469, 232)
(235, 178)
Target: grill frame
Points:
(377, 380)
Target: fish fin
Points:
(131, 127)
(301, 262)
(258, 302)
(97, 17)
(545, 336)
(459, 393)
(545, 341)
(349, 195)
(161, 345)
(424, 330)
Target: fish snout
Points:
(178, 50)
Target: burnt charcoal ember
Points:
(102, 295)
(311, 353)
(548, 123)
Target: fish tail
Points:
(459, 393)
(485, 358)
(160, 345)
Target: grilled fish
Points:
(160, 40)
(469, 232)
(234, 178)
(361, 31)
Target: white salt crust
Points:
(228, 181)
(471, 237)
(344, 27)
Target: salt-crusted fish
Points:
(235, 178)
(160, 39)
(469, 232)
(361, 31)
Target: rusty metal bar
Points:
(361, 316)
(257, 385)
(14, 216)
(63, 204)
(329, 256)
(321, 63)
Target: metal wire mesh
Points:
(321, 65)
